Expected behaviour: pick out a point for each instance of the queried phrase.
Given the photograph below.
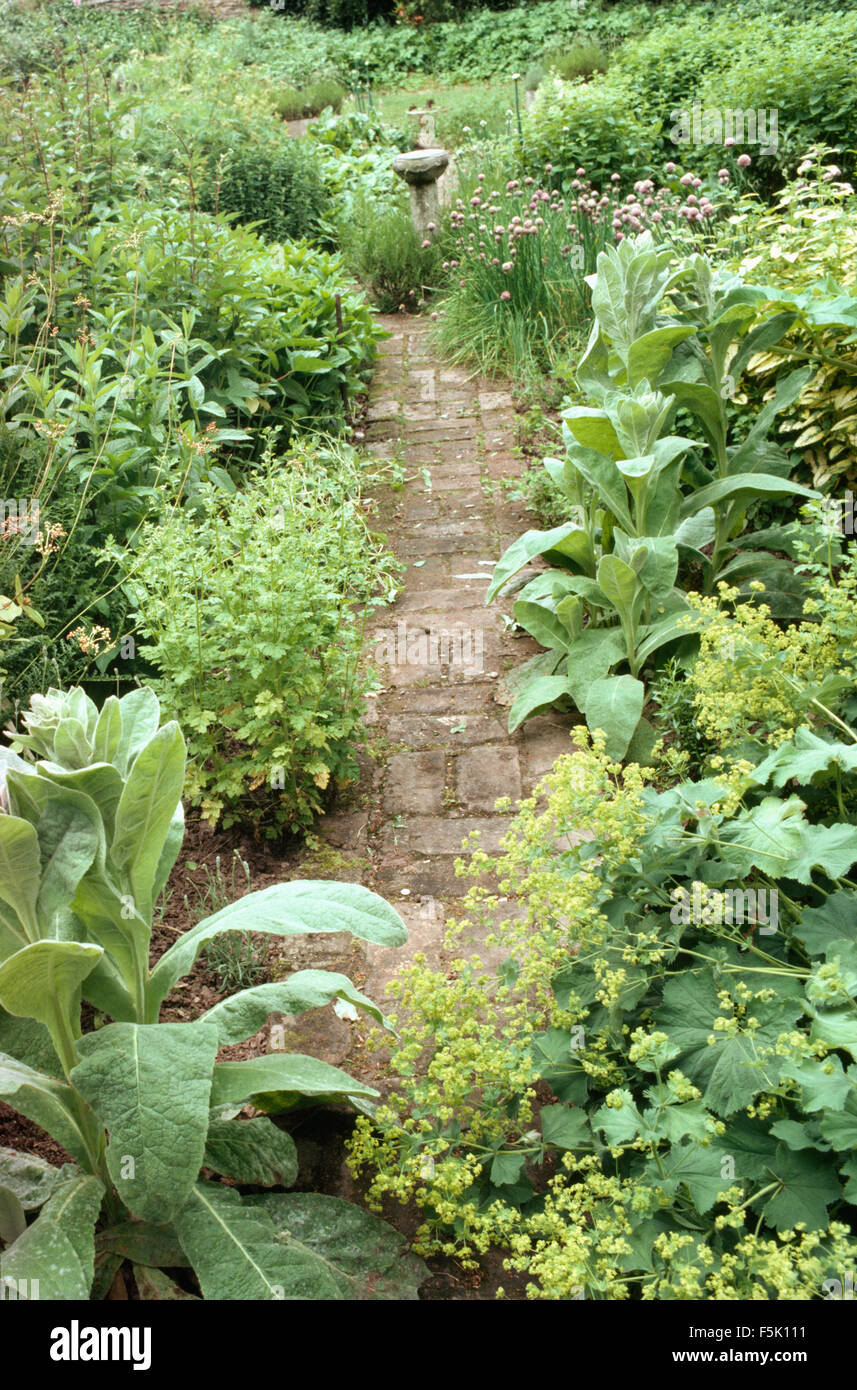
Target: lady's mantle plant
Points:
(672, 1056)
(88, 837)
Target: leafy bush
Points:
(595, 125)
(673, 1025)
(580, 58)
(141, 1107)
(277, 187)
(294, 103)
(389, 258)
(616, 563)
(807, 243)
(255, 612)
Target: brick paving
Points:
(445, 754)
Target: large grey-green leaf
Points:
(542, 623)
(20, 873)
(252, 1151)
(523, 550)
(537, 694)
(100, 782)
(68, 842)
(13, 1218)
(146, 810)
(366, 1257)
(288, 1075)
(615, 705)
(43, 982)
(286, 909)
(743, 487)
(32, 1179)
(45, 1101)
(154, 1285)
(241, 1015)
(108, 731)
(142, 1242)
(30, 1042)
(141, 714)
(237, 1254)
(149, 1084)
(57, 1252)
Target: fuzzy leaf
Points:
(252, 1151)
(149, 1084)
(365, 1257)
(58, 1250)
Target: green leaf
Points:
(43, 982)
(108, 731)
(155, 1286)
(649, 354)
(615, 705)
(809, 1187)
(32, 1179)
(145, 812)
(142, 1242)
(506, 1168)
(823, 1083)
(728, 1069)
(30, 1042)
(237, 1253)
(281, 1080)
(252, 1151)
(565, 1126)
(47, 1102)
(743, 487)
(20, 873)
(542, 623)
(522, 551)
(365, 1256)
(590, 659)
(149, 1085)
(241, 1015)
(69, 838)
(141, 715)
(618, 581)
(802, 758)
(13, 1220)
(537, 694)
(58, 1250)
(839, 1127)
(286, 909)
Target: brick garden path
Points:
(444, 755)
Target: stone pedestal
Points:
(421, 170)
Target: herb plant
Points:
(146, 1112)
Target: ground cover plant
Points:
(651, 1097)
(252, 611)
(90, 833)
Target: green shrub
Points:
(650, 1018)
(293, 104)
(277, 187)
(389, 258)
(595, 125)
(254, 609)
(132, 1085)
(581, 58)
